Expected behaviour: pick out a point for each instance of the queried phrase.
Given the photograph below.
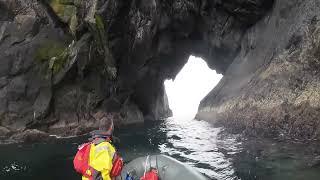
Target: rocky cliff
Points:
(65, 62)
(272, 87)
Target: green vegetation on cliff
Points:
(55, 53)
(49, 50)
(66, 11)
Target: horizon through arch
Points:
(191, 85)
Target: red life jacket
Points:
(81, 162)
(151, 175)
(117, 165)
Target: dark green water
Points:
(210, 150)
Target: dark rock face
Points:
(31, 136)
(272, 87)
(62, 62)
(4, 131)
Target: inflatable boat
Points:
(167, 169)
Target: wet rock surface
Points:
(271, 88)
(4, 132)
(63, 61)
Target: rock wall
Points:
(57, 73)
(64, 62)
(272, 87)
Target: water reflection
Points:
(198, 144)
(14, 167)
(277, 160)
(210, 150)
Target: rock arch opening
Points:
(120, 55)
(191, 85)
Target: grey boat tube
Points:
(168, 168)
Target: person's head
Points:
(106, 125)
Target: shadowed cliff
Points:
(272, 86)
(63, 63)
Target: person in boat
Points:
(98, 159)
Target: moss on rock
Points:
(55, 54)
(67, 11)
(49, 50)
(99, 23)
(57, 63)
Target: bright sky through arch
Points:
(191, 85)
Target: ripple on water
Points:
(210, 150)
(13, 168)
(196, 143)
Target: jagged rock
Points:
(17, 88)
(272, 86)
(72, 57)
(3, 81)
(120, 51)
(27, 24)
(131, 114)
(42, 104)
(97, 53)
(18, 106)
(5, 12)
(82, 129)
(160, 107)
(4, 131)
(67, 99)
(3, 101)
(5, 65)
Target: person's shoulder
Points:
(110, 145)
(105, 143)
